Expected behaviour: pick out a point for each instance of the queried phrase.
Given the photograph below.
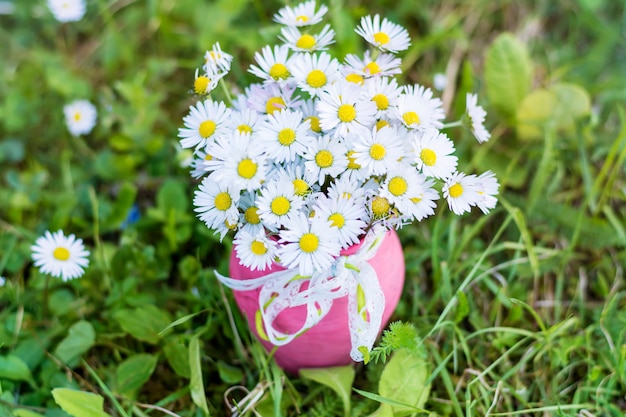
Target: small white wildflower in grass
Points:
(216, 203)
(313, 72)
(345, 216)
(462, 192)
(306, 42)
(380, 150)
(284, 135)
(487, 188)
(418, 109)
(80, 117)
(368, 66)
(206, 121)
(384, 35)
(256, 251)
(434, 154)
(67, 10)
(440, 81)
(277, 203)
(60, 256)
(308, 244)
(343, 109)
(477, 116)
(273, 64)
(303, 14)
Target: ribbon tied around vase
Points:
(349, 275)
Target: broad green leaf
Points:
(21, 412)
(228, 373)
(134, 372)
(78, 403)
(339, 378)
(508, 72)
(558, 106)
(80, 338)
(178, 357)
(143, 323)
(196, 385)
(14, 368)
(172, 195)
(404, 380)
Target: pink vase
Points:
(328, 342)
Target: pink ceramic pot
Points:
(327, 343)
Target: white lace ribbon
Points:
(350, 275)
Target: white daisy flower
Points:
(249, 216)
(309, 112)
(284, 135)
(303, 14)
(303, 186)
(384, 92)
(462, 192)
(67, 10)
(380, 150)
(477, 116)
(271, 98)
(217, 61)
(345, 216)
(314, 72)
(379, 209)
(246, 121)
(305, 42)
(242, 164)
(308, 244)
(206, 121)
(80, 117)
(342, 107)
(60, 256)
(422, 203)
(434, 154)
(381, 65)
(440, 81)
(223, 228)
(385, 35)
(255, 251)
(400, 184)
(487, 188)
(274, 64)
(204, 84)
(324, 156)
(198, 163)
(417, 109)
(277, 203)
(348, 189)
(216, 203)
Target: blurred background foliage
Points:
(535, 290)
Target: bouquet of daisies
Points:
(318, 152)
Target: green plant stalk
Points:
(105, 389)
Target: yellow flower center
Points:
(398, 186)
(305, 42)
(201, 84)
(381, 100)
(302, 19)
(223, 201)
(337, 220)
(286, 136)
(316, 78)
(280, 206)
(428, 157)
(208, 157)
(381, 123)
(251, 215)
(244, 129)
(346, 113)
(207, 128)
(230, 226)
(377, 151)
(410, 118)
(352, 164)
(309, 242)
(456, 190)
(247, 168)
(381, 38)
(372, 68)
(380, 207)
(300, 187)
(355, 78)
(258, 248)
(61, 254)
(279, 72)
(77, 116)
(415, 200)
(324, 158)
(273, 104)
(315, 123)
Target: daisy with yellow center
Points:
(67, 10)
(308, 244)
(487, 190)
(216, 203)
(433, 152)
(60, 256)
(217, 62)
(80, 117)
(269, 98)
(343, 110)
(306, 42)
(303, 14)
(346, 216)
(273, 64)
(283, 136)
(418, 109)
(325, 157)
(313, 72)
(380, 150)
(245, 122)
(384, 35)
(384, 92)
(255, 251)
(277, 203)
(206, 122)
(476, 115)
(462, 192)
(369, 67)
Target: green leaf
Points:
(78, 403)
(80, 338)
(339, 378)
(508, 72)
(21, 412)
(143, 323)
(404, 380)
(558, 106)
(228, 373)
(462, 307)
(172, 195)
(196, 385)
(178, 357)
(134, 372)
(14, 368)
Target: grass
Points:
(521, 312)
